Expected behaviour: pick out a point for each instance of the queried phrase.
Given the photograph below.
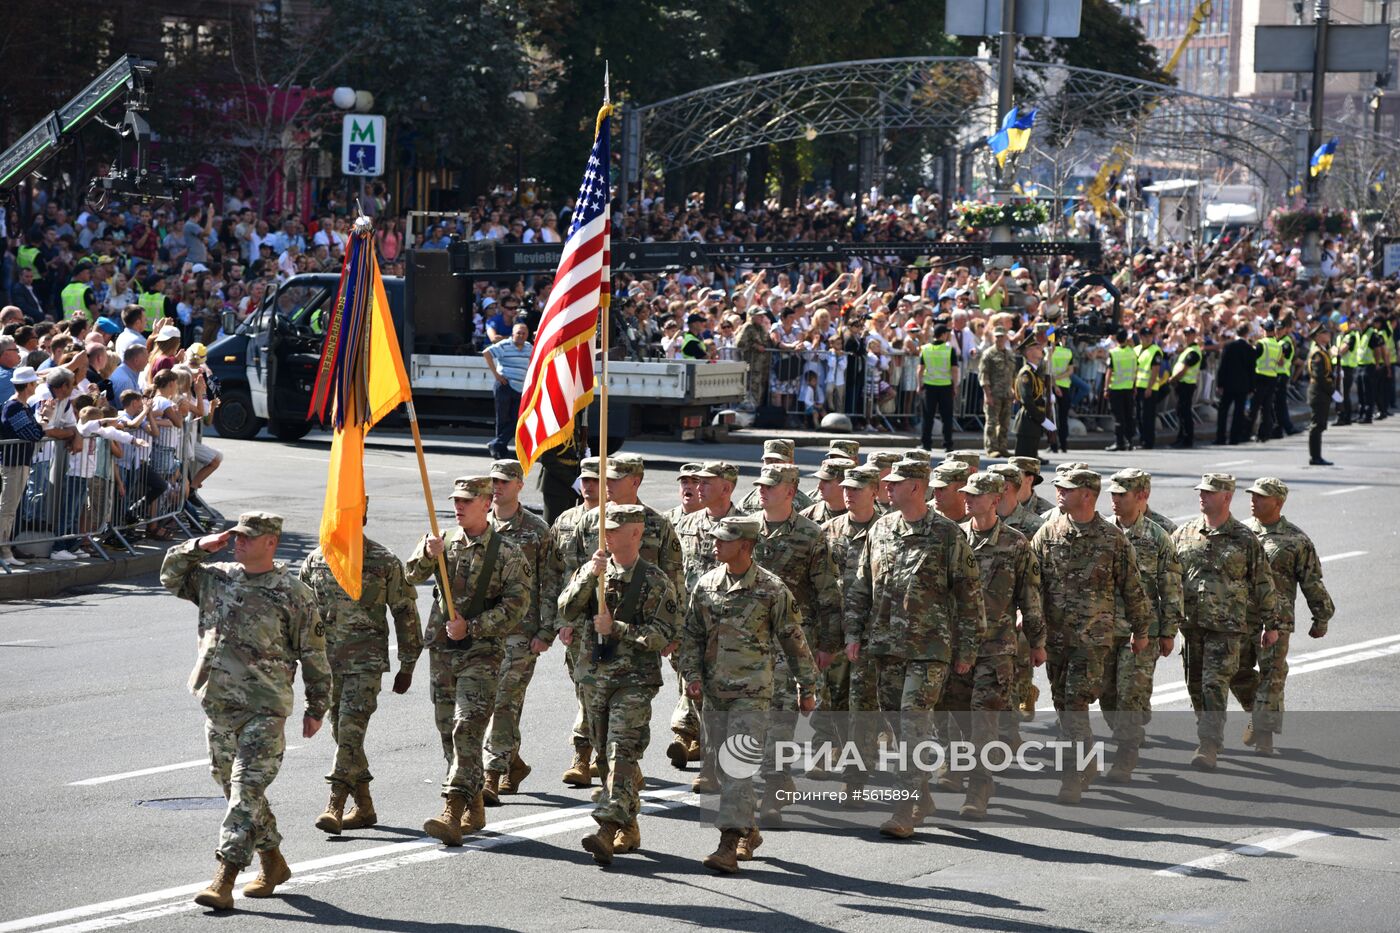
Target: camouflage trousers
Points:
(998, 423)
(354, 698)
(463, 689)
(836, 700)
(582, 734)
(517, 667)
(972, 703)
(1258, 683)
(871, 694)
(245, 754)
(620, 717)
(1076, 679)
(685, 719)
(1210, 659)
(757, 382)
(783, 721)
(921, 684)
(1021, 684)
(735, 725)
(1126, 697)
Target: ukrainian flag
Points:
(1322, 159)
(1013, 136)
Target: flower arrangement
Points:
(979, 215)
(1295, 224)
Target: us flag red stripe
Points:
(559, 382)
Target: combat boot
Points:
(578, 774)
(219, 894)
(949, 780)
(924, 808)
(1071, 788)
(694, 752)
(1204, 759)
(361, 815)
(447, 828)
(900, 825)
(748, 845)
(474, 817)
(1028, 703)
(705, 782)
(775, 796)
(1248, 736)
(628, 839)
(1091, 771)
(679, 751)
(510, 781)
(332, 820)
(600, 844)
(1123, 764)
(491, 788)
(725, 859)
(273, 872)
(979, 791)
(1264, 744)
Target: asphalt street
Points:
(110, 817)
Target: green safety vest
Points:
(688, 340)
(1267, 362)
(1348, 357)
(1285, 358)
(154, 304)
(938, 364)
(1389, 337)
(72, 298)
(1146, 356)
(1190, 373)
(1365, 356)
(1124, 362)
(28, 257)
(1061, 365)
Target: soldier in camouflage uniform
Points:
(1024, 692)
(775, 450)
(1228, 588)
(256, 623)
(357, 646)
(973, 458)
(1010, 577)
(841, 447)
(619, 670)
(915, 605)
(689, 496)
(505, 769)
(465, 653)
(996, 371)
(1258, 684)
(1157, 518)
(1127, 678)
(564, 534)
(793, 549)
(1060, 470)
(830, 504)
(1031, 478)
(1087, 569)
(739, 615)
(946, 486)
(752, 344)
(884, 461)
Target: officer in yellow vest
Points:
(1062, 372)
(27, 257)
(1345, 354)
(1147, 381)
(1185, 373)
(1287, 345)
(1118, 386)
(938, 373)
(1385, 362)
(1366, 346)
(154, 302)
(77, 295)
(1266, 362)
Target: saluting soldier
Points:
(1321, 387)
(257, 622)
(775, 450)
(565, 536)
(830, 502)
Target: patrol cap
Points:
(737, 528)
(1267, 323)
(1079, 479)
(1029, 465)
(471, 487)
(973, 458)
(1130, 480)
(687, 469)
(507, 469)
(779, 448)
(984, 483)
(907, 469)
(1006, 471)
(619, 515)
(1063, 468)
(919, 454)
(23, 376)
(1216, 482)
(850, 448)
(834, 468)
(949, 472)
(862, 477)
(257, 524)
(621, 466)
(718, 469)
(588, 468)
(775, 474)
(884, 458)
(1269, 486)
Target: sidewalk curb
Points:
(42, 583)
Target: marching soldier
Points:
(949, 477)
(256, 623)
(1321, 387)
(357, 647)
(1127, 678)
(1032, 392)
(1293, 561)
(842, 447)
(492, 584)
(1086, 567)
(564, 534)
(884, 461)
(690, 498)
(1060, 470)
(973, 459)
(619, 667)
(996, 370)
(738, 615)
(505, 769)
(775, 450)
(830, 504)
(1024, 692)
(1030, 478)
(1228, 587)
(914, 608)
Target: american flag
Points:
(559, 382)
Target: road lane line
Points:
(1262, 847)
(1225, 463)
(1342, 556)
(1346, 489)
(140, 907)
(20, 641)
(160, 769)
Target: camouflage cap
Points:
(257, 524)
(862, 477)
(949, 472)
(1079, 479)
(985, 483)
(779, 448)
(775, 474)
(737, 528)
(1130, 480)
(619, 515)
(973, 458)
(471, 487)
(834, 468)
(507, 469)
(1269, 486)
(623, 465)
(850, 448)
(718, 469)
(1007, 472)
(588, 468)
(1029, 465)
(688, 469)
(883, 458)
(919, 454)
(907, 469)
(1063, 468)
(1216, 482)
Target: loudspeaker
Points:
(438, 301)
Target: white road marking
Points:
(1343, 490)
(1342, 556)
(109, 778)
(1226, 463)
(1262, 847)
(20, 641)
(140, 907)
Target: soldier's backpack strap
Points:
(606, 650)
(483, 577)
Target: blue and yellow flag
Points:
(1013, 136)
(1379, 183)
(1321, 162)
(362, 369)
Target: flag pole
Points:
(603, 397)
(446, 582)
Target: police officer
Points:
(1267, 358)
(1185, 373)
(938, 374)
(1147, 380)
(1119, 384)
(1321, 387)
(568, 545)
(257, 622)
(1345, 356)
(1062, 373)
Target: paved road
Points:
(97, 725)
